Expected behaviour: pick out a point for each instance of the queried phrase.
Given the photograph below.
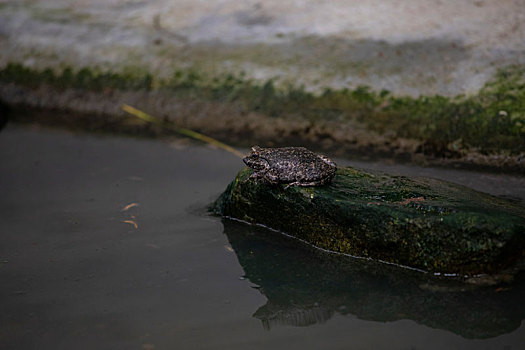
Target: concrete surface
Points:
(409, 47)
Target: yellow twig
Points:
(149, 118)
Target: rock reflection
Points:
(292, 315)
(305, 286)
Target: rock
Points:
(422, 223)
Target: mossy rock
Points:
(422, 223)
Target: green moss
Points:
(85, 78)
(423, 223)
(492, 121)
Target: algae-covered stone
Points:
(418, 222)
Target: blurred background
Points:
(424, 81)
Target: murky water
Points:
(105, 243)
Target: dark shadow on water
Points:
(306, 286)
(4, 114)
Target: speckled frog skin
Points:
(294, 166)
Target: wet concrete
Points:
(76, 272)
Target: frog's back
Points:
(293, 163)
(288, 155)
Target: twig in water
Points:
(187, 132)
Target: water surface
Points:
(76, 273)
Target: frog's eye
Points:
(256, 149)
(255, 162)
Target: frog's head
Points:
(255, 161)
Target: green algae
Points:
(492, 121)
(422, 223)
(85, 78)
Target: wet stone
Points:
(423, 223)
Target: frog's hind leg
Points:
(328, 161)
(304, 184)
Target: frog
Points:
(293, 166)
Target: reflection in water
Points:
(305, 286)
(293, 315)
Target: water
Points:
(76, 274)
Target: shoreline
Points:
(91, 111)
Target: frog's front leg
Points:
(254, 176)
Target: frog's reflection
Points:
(305, 286)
